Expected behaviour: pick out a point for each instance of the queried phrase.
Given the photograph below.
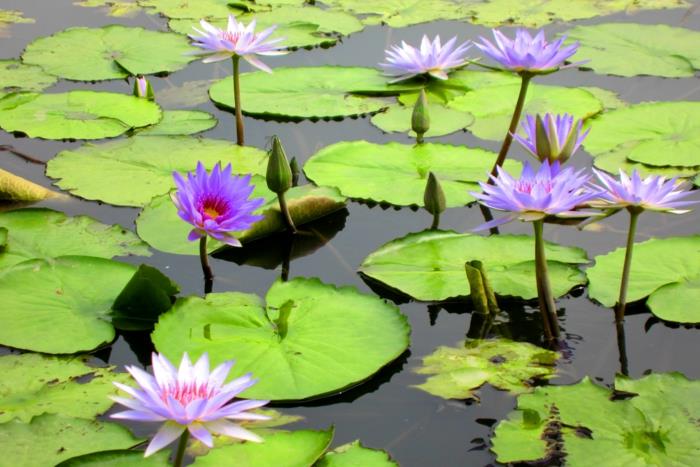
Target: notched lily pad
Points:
(458, 372)
(355, 455)
(181, 122)
(306, 339)
(443, 120)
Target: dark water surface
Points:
(386, 412)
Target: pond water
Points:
(386, 412)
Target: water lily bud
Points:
(142, 88)
(279, 173)
(433, 197)
(296, 171)
(420, 119)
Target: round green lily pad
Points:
(429, 265)
(402, 13)
(17, 76)
(44, 233)
(109, 52)
(118, 458)
(131, 171)
(397, 173)
(181, 122)
(672, 285)
(616, 159)
(76, 114)
(205, 9)
(60, 305)
(443, 120)
(307, 339)
(657, 134)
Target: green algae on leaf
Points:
(131, 171)
(75, 114)
(355, 455)
(306, 339)
(672, 52)
(16, 76)
(110, 52)
(458, 372)
(672, 285)
(397, 173)
(118, 458)
(181, 122)
(429, 265)
(33, 385)
(43, 233)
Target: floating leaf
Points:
(118, 459)
(458, 372)
(181, 122)
(443, 120)
(117, 9)
(131, 171)
(188, 94)
(429, 265)
(314, 93)
(17, 76)
(335, 337)
(147, 295)
(616, 159)
(355, 455)
(672, 285)
(402, 13)
(50, 439)
(44, 233)
(583, 424)
(670, 54)
(62, 305)
(75, 114)
(397, 173)
(34, 385)
(110, 52)
(206, 9)
(657, 133)
(288, 449)
(8, 17)
(15, 188)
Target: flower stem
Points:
(285, 212)
(622, 300)
(237, 101)
(204, 259)
(547, 305)
(436, 221)
(181, 446)
(525, 81)
(622, 347)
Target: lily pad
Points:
(671, 54)
(287, 449)
(110, 52)
(188, 94)
(355, 455)
(672, 285)
(116, 9)
(584, 425)
(315, 93)
(429, 265)
(458, 372)
(14, 188)
(44, 233)
(402, 13)
(131, 171)
(8, 17)
(34, 384)
(397, 173)
(118, 459)
(160, 226)
(50, 439)
(75, 114)
(205, 9)
(443, 120)
(657, 133)
(309, 338)
(17, 76)
(616, 159)
(181, 122)
(61, 305)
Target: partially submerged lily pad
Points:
(33, 385)
(672, 285)
(355, 455)
(131, 171)
(17, 76)
(429, 265)
(582, 425)
(109, 52)
(181, 122)
(397, 173)
(306, 339)
(44, 233)
(14, 188)
(458, 372)
(75, 114)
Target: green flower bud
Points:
(433, 197)
(142, 88)
(420, 119)
(279, 173)
(296, 171)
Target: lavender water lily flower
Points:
(189, 400)
(432, 58)
(552, 138)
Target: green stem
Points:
(181, 447)
(436, 221)
(622, 300)
(622, 347)
(285, 212)
(237, 100)
(547, 306)
(525, 81)
(204, 259)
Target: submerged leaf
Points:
(180, 122)
(17, 76)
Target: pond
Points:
(351, 372)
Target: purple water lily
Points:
(432, 58)
(526, 53)
(552, 137)
(236, 40)
(190, 400)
